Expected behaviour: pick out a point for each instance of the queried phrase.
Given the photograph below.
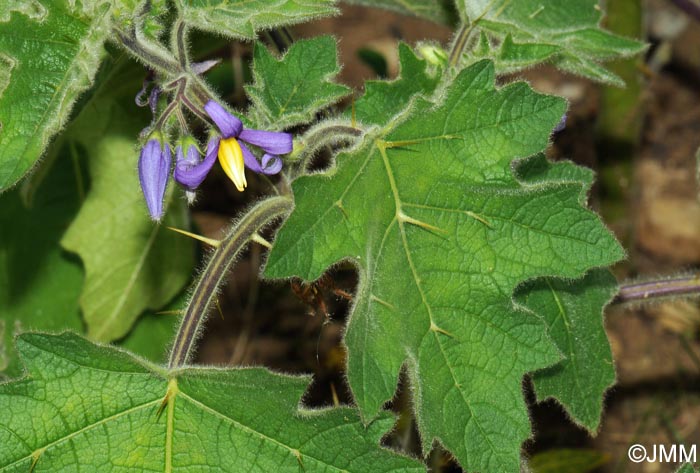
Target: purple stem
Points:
(641, 291)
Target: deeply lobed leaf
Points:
(131, 263)
(290, 91)
(564, 32)
(85, 407)
(442, 231)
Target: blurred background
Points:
(641, 141)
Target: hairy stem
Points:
(216, 269)
(664, 288)
(146, 54)
(319, 138)
(179, 44)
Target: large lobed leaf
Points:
(290, 91)
(564, 32)
(442, 232)
(49, 53)
(131, 263)
(84, 407)
(40, 284)
(244, 18)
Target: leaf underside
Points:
(565, 33)
(440, 11)
(442, 232)
(84, 407)
(242, 19)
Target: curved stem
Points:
(144, 54)
(179, 45)
(460, 43)
(664, 288)
(216, 269)
(319, 138)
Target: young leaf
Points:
(39, 283)
(566, 32)
(290, 91)
(244, 18)
(439, 11)
(49, 53)
(572, 311)
(442, 232)
(131, 263)
(93, 408)
(383, 99)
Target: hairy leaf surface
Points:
(291, 90)
(440, 11)
(49, 53)
(244, 18)
(442, 231)
(92, 408)
(385, 99)
(565, 32)
(572, 311)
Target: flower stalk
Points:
(215, 271)
(678, 286)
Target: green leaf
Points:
(439, 11)
(49, 53)
(573, 313)
(442, 232)
(290, 91)
(244, 18)
(687, 468)
(93, 408)
(383, 100)
(131, 263)
(567, 460)
(39, 283)
(565, 32)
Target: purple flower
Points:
(154, 170)
(190, 171)
(234, 156)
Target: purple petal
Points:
(270, 164)
(153, 99)
(229, 125)
(191, 173)
(561, 125)
(154, 170)
(272, 142)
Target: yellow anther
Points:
(231, 159)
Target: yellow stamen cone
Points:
(231, 159)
